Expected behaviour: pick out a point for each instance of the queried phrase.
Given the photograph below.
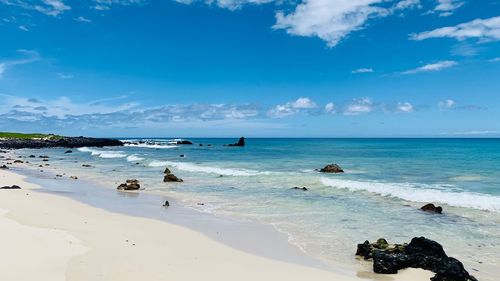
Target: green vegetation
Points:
(9, 135)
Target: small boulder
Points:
(166, 204)
(68, 151)
(73, 177)
(32, 156)
(167, 171)
(300, 188)
(3, 167)
(432, 208)
(184, 142)
(43, 156)
(332, 168)
(171, 178)
(18, 161)
(131, 184)
(86, 165)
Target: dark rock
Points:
(201, 144)
(86, 165)
(18, 161)
(184, 142)
(432, 208)
(387, 263)
(68, 151)
(331, 168)
(131, 184)
(420, 253)
(300, 188)
(73, 177)
(167, 171)
(3, 151)
(69, 142)
(45, 160)
(4, 167)
(11, 187)
(166, 204)
(241, 142)
(32, 156)
(171, 178)
(43, 156)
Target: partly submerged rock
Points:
(167, 171)
(420, 253)
(166, 204)
(131, 184)
(241, 142)
(171, 178)
(184, 142)
(4, 167)
(331, 168)
(432, 208)
(68, 151)
(18, 161)
(300, 188)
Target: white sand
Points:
(50, 237)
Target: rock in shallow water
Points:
(432, 208)
(132, 184)
(171, 178)
(331, 168)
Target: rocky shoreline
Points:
(67, 142)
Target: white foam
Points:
(420, 193)
(133, 158)
(103, 153)
(190, 167)
(146, 145)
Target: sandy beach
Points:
(50, 237)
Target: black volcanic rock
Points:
(241, 142)
(10, 187)
(69, 142)
(184, 142)
(432, 208)
(420, 253)
(332, 168)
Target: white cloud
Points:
(362, 70)
(228, 4)
(330, 108)
(23, 28)
(482, 29)
(405, 4)
(48, 7)
(64, 76)
(83, 19)
(30, 56)
(494, 60)
(291, 108)
(447, 7)
(447, 104)
(329, 20)
(359, 106)
(405, 107)
(432, 67)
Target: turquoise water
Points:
(385, 183)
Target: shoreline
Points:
(261, 265)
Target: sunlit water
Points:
(385, 183)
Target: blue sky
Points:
(258, 68)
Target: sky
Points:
(254, 68)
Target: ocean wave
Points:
(190, 167)
(151, 145)
(420, 193)
(133, 158)
(103, 153)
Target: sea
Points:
(385, 183)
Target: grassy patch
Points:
(9, 135)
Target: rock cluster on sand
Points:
(169, 177)
(331, 168)
(4, 167)
(432, 208)
(241, 142)
(420, 253)
(129, 185)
